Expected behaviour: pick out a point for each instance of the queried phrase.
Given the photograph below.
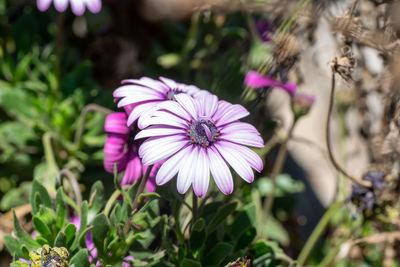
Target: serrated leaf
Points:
(221, 216)
(80, 259)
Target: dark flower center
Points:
(203, 132)
(172, 92)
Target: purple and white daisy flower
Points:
(120, 149)
(77, 6)
(141, 96)
(199, 136)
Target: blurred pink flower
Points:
(199, 136)
(256, 80)
(77, 6)
(121, 149)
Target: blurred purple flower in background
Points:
(196, 136)
(264, 29)
(77, 6)
(121, 149)
(256, 80)
(140, 96)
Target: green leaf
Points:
(274, 230)
(221, 216)
(22, 235)
(96, 200)
(245, 217)
(61, 240)
(218, 254)
(196, 241)
(82, 236)
(190, 263)
(198, 225)
(152, 195)
(69, 231)
(101, 227)
(82, 226)
(246, 238)
(61, 211)
(13, 245)
(42, 228)
(80, 259)
(44, 197)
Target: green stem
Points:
(71, 202)
(278, 166)
(74, 183)
(319, 229)
(194, 208)
(82, 119)
(111, 201)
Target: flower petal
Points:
(116, 123)
(248, 139)
(133, 169)
(186, 171)
(136, 90)
(237, 162)
(187, 103)
(201, 177)
(159, 131)
(43, 4)
(78, 7)
(170, 167)
(61, 5)
(162, 117)
(156, 149)
(138, 110)
(232, 113)
(206, 105)
(150, 83)
(94, 5)
(249, 155)
(220, 171)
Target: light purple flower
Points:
(256, 80)
(77, 6)
(121, 149)
(140, 96)
(196, 136)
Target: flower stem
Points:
(278, 166)
(305, 252)
(142, 185)
(82, 119)
(74, 183)
(194, 208)
(111, 201)
(328, 138)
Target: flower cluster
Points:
(77, 6)
(180, 130)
